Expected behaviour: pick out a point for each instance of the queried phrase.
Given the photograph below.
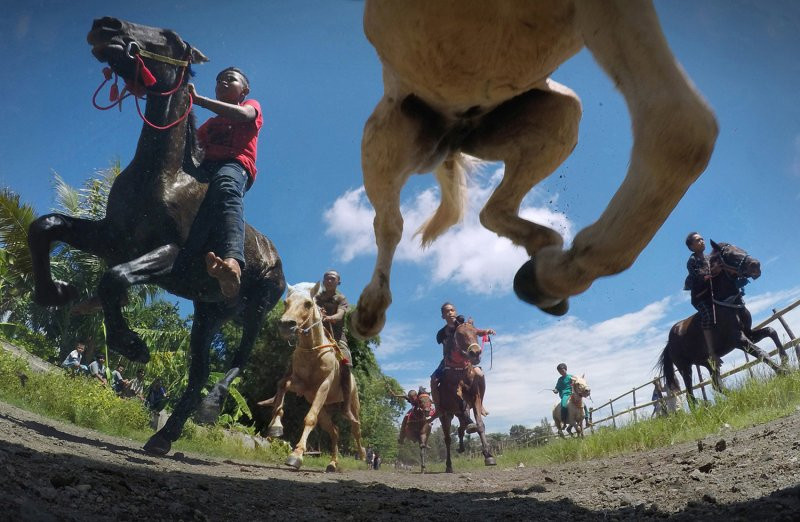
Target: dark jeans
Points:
(219, 224)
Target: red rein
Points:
(137, 90)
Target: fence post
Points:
(635, 417)
(703, 387)
(749, 368)
(613, 420)
(791, 335)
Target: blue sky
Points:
(318, 79)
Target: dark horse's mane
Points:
(192, 153)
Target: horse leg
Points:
(532, 134)
(207, 321)
(84, 234)
(267, 295)
(112, 291)
(762, 333)
(746, 345)
(686, 372)
(425, 432)
(275, 427)
(488, 458)
(446, 419)
(460, 432)
(355, 427)
(673, 136)
(325, 422)
(295, 459)
(393, 147)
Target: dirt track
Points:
(57, 471)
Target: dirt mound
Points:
(57, 471)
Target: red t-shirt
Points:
(224, 139)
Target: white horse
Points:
(314, 374)
(472, 76)
(575, 413)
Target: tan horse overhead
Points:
(314, 374)
(472, 77)
(575, 413)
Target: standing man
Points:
(98, 369)
(333, 305)
(73, 360)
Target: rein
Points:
(135, 51)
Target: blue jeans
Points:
(219, 224)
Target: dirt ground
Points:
(56, 471)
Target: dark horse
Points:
(733, 328)
(463, 380)
(151, 207)
(416, 427)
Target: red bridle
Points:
(139, 90)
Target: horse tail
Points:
(667, 368)
(451, 176)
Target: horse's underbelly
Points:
(467, 53)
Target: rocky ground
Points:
(56, 471)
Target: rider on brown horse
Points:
(445, 337)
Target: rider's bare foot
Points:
(227, 272)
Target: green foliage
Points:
(77, 399)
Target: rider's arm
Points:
(226, 110)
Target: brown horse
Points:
(575, 411)
(462, 381)
(314, 375)
(472, 77)
(415, 426)
(151, 207)
(733, 329)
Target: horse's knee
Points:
(113, 282)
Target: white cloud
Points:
(467, 253)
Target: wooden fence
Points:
(634, 407)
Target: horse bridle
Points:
(135, 51)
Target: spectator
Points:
(674, 400)
(98, 369)
(370, 455)
(658, 399)
(156, 396)
(73, 360)
(376, 460)
(118, 382)
(136, 386)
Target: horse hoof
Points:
(489, 461)
(448, 469)
(128, 344)
(57, 293)
(294, 461)
(365, 324)
(275, 432)
(471, 428)
(331, 468)
(460, 449)
(158, 445)
(528, 291)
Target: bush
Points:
(76, 399)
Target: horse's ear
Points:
(289, 290)
(315, 289)
(198, 57)
(714, 245)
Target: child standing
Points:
(230, 141)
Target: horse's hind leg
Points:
(355, 427)
(393, 147)
(207, 321)
(325, 422)
(532, 134)
(112, 291)
(84, 234)
(253, 319)
(446, 420)
(673, 136)
(686, 373)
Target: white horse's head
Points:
(580, 387)
(300, 310)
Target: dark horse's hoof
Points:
(57, 293)
(528, 291)
(471, 428)
(294, 461)
(157, 445)
(128, 344)
(489, 461)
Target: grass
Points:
(756, 401)
(85, 403)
